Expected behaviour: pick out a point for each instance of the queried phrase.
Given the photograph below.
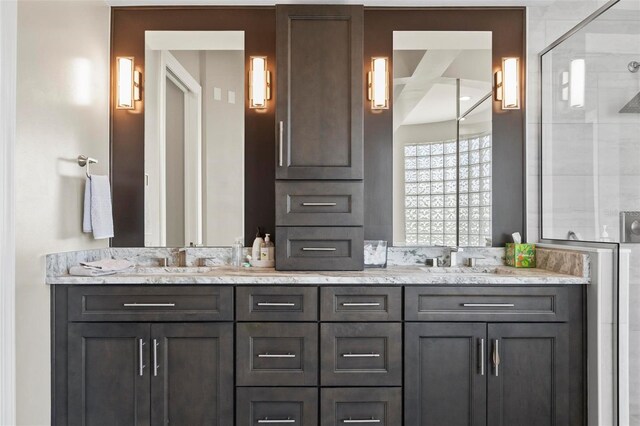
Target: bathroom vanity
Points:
(401, 346)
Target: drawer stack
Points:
(338, 365)
(319, 165)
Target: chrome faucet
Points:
(453, 255)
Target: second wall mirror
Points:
(442, 138)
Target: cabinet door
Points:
(192, 369)
(528, 382)
(445, 374)
(108, 374)
(320, 92)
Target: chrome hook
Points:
(84, 161)
(634, 66)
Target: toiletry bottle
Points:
(267, 251)
(255, 249)
(237, 252)
(604, 236)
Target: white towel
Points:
(98, 216)
(81, 271)
(116, 265)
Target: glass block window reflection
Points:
(431, 192)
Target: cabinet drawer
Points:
(277, 303)
(317, 203)
(486, 304)
(361, 354)
(346, 406)
(318, 249)
(149, 303)
(276, 354)
(361, 304)
(277, 406)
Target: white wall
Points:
(8, 45)
(63, 88)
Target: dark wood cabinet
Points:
(320, 139)
(320, 355)
(150, 374)
(191, 374)
(486, 374)
(528, 384)
(445, 374)
(108, 380)
(319, 55)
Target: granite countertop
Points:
(491, 275)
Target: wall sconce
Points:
(577, 83)
(128, 83)
(378, 83)
(259, 82)
(507, 83)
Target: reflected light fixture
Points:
(128, 83)
(507, 83)
(577, 83)
(378, 83)
(259, 82)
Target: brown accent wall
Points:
(128, 25)
(127, 127)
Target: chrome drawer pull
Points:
(371, 420)
(276, 304)
(272, 421)
(155, 357)
(371, 355)
(268, 355)
(488, 305)
(319, 204)
(360, 304)
(141, 365)
(496, 357)
(481, 349)
(319, 249)
(147, 305)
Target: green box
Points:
(521, 255)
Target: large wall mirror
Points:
(194, 138)
(442, 138)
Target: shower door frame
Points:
(590, 244)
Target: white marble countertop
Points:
(490, 275)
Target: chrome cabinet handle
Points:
(361, 304)
(141, 365)
(371, 355)
(146, 305)
(488, 305)
(155, 357)
(371, 420)
(319, 249)
(319, 204)
(268, 355)
(276, 304)
(481, 357)
(280, 142)
(268, 420)
(496, 357)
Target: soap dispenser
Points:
(267, 251)
(257, 243)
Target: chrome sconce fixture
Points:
(129, 83)
(378, 83)
(507, 84)
(259, 82)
